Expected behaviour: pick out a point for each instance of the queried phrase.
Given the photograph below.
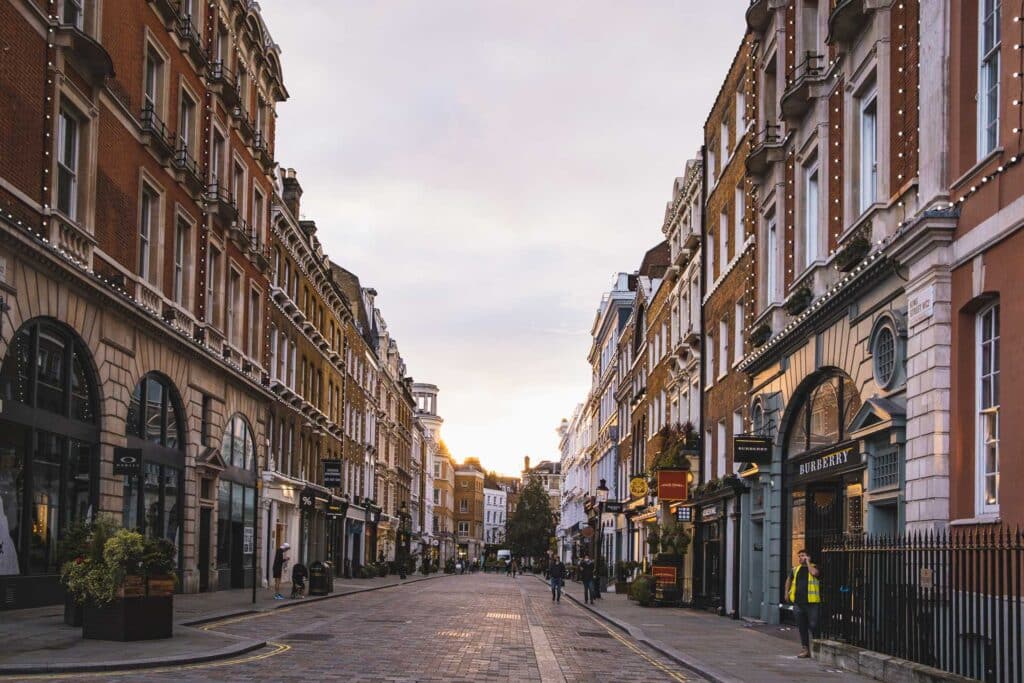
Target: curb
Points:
(640, 636)
(223, 653)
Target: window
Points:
(463, 528)
(153, 81)
(257, 214)
(883, 352)
(238, 185)
(212, 281)
(181, 243)
(810, 215)
(186, 122)
(987, 372)
(205, 419)
(723, 241)
(741, 113)
(709, 369)
(739, 229)
(238, 447)
(148, 211)
(710, 266)
(868, 172)
(724, 141)
(217, 152)
(771, 261)
(737, 332)
(463, 505)
(711, 165)
(73, 14)
(737, 427)
(254, 323)
(234, 307)
(988, 78)
(67, 164)
(723, 347)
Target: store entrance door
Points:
(824, 516)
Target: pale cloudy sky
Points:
(488, 167)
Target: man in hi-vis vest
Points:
(803, 589)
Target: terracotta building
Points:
(469, 509)
(135, 200)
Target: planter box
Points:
(124, 619)
(621, 587)
(73, 612)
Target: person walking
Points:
(587, 577)
(556, 573)
(280, 560)
(515, 568)
(803, 590)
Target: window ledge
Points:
(985, 518)
(984, 161)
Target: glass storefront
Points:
(48, 449)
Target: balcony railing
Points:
(767, 139)
(187, 165)
(224, 83)
(246, 127)
(796, 99)
(262, 151)
(222, 199)
(155, 132)
(192, 43)
(846, 20)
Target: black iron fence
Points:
(948, 599)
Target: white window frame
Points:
(78, 6)
(812, 213)
(868, 153)
(724, 140)
(989, 68)
(739, 318)
(710, 367)
(741, 114)
(738, 228)
(987, 407)
(187, 108)
(69, 155)
(771, 260)
(149, 226)
(182, 259)
(214, 258)
(723, 239)
(723, 348)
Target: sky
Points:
(488, 167)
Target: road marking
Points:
(550, 672)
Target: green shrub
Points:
(642, 590)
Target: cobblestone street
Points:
(459, 628)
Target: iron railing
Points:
(947, 599)
(770, 135)
(812, 66)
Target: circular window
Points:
(884, 352)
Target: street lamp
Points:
(602, 498)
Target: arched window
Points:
(236, 505)
(49, 437)
(153, 501)
(825, 416)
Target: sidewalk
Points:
(37, 641)
(722, 649)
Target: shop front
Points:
(337, 511)
(313, 503)
(236, 506)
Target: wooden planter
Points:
(143, 611)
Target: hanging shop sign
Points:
(753, 449)
(673, 485)
(127, 461)
(336, 509)
(684, 514)
(823, 465)
(332, 474)
(307, 499)
(638, 487)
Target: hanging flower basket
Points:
(761, 334)
(853, 252)
(798, 301)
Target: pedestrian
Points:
(280, 560)
(515, 568)
(803, 590)
(556, 572)
(587, 577)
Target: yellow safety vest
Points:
(813, 592)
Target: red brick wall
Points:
(903, 113)
(22, 78)
(836, 152)
(789, 220)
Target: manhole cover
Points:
(308, 636)
(595, 634)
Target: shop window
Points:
(825, 416)
(238, 447)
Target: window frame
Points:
(867, 183)
(812, 213)
(989, 87)
(68, 119)
(986, 411)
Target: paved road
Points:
(459, 628)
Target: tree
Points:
(532, 524)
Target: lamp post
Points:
(602, 498)
(404, 536)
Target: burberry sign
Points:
(837, 460)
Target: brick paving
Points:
(460, 628)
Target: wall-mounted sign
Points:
(613, 506)
(664, 574)
(247, 540)
(921, 305)
(337, 510)
(711, 512)
(823, 465)
(684, 514)
(754, 449)
(127, 461)
(638, 487)
(673, 485)
(332, 473)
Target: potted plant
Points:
(854, 251)
(798, 301)
(760, 334)
(642, 590)
(653, 540)
(127, 591)
(82, 539)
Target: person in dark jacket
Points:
(587, 577)
(280, 560)
(556, 572)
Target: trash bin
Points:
(318, 579)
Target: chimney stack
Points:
(526, 463)
(292, 192)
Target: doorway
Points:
(824, 516)
(205, 532)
